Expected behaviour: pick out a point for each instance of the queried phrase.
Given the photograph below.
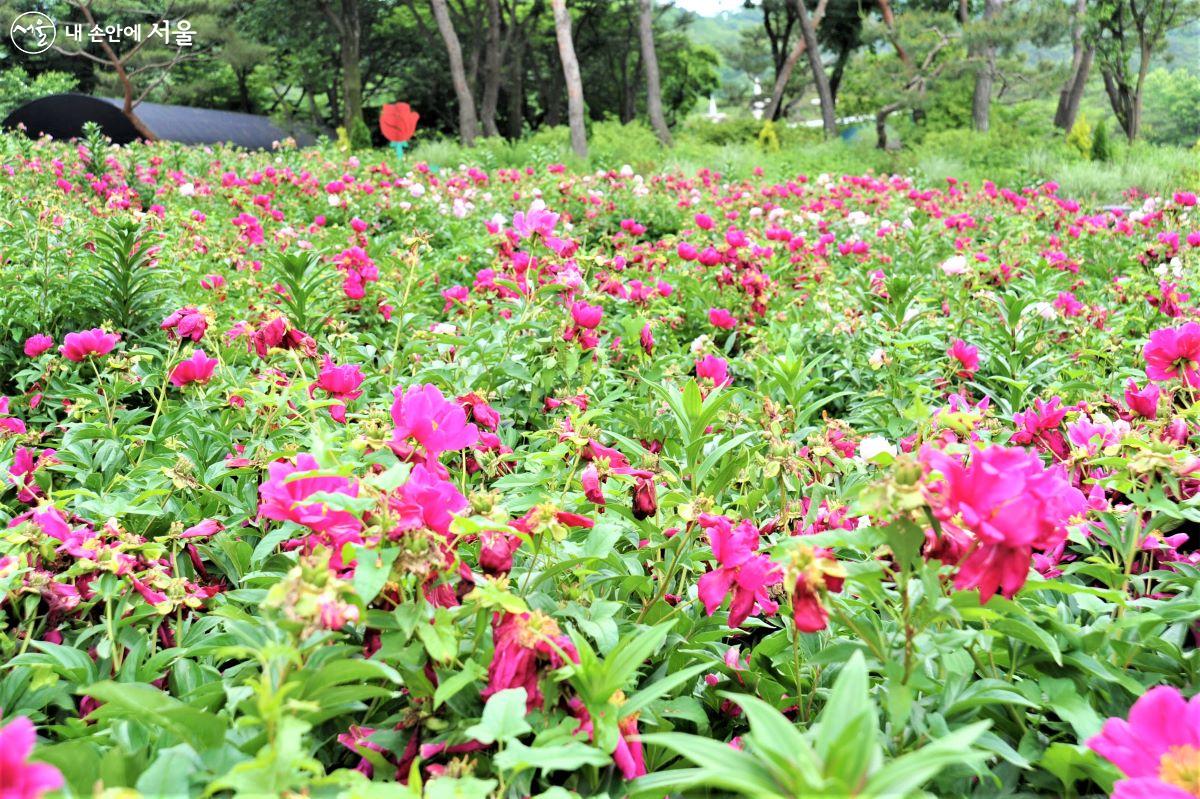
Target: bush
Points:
(1101, 149)
(1079, 138)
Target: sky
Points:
(709, 7)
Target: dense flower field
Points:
(339, 477)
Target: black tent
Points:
(62, 116)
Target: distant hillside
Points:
(721, 30)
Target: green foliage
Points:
(124, 280)
(17, 86)
(840, 755)
(306, 283)
(360, 135)
(1079, 138)
(1101, 149)
(1172, 105)
(768, 139)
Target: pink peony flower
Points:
(967, 357)
(438, 425)
(479, 411)
(1157, 749)
(818, 572)
(722, 318)
(425, 500)
(85, 344)
(197, 369)
(525, 644)
(538, 221)
(20, 779)
(340, 383)
(1143, 402)
(628, 755)
(741, 571)
(38, 343)
(1174, 352)
(712, 368)
(1007, 504)
(284, 497)
(186, 323)
(586, 316)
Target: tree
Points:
(985, 74)
(467, 125)
(346, 18)
(570, 67)
(1128, 34)
(138, 68)
(654, 108)
(828, 118)
(492, 71)
(784, 73)
(1083, 51)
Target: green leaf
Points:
(372, 570)
(907, 773)
(470, 672)
(722, 765)
(169, 774)
(503, 717)
(459, 788)
(556, 757)
(148, 705)
(658, 688)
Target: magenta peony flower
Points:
(1008, 503)
(20, 779)
(1143, 402)
(713, 368)
(186, 323)
(538, 221)
(85, 344)
(741, 570)
(1157, 749)
(525, 644)
(586, 316)
(722, 318)
(1174, 352)
(482, 414)
(423, 414)
(284, 496)
(425, 500)
(197, 369)
(967, 357)
(340, 383)
(38, 343)
(628, 755)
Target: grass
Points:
(1009, 156)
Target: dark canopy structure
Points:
(62, 116)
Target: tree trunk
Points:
(1081, 64)
(654, 108)
(554, 91)
(775, 106)
(1122, 104)
(839, 69)
(492, 71)
(347, 23)
(985, 76)
(516, 91)
(570, 66)
(828, 120)
(1069, 102)
(467, 125)
(351, 45)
